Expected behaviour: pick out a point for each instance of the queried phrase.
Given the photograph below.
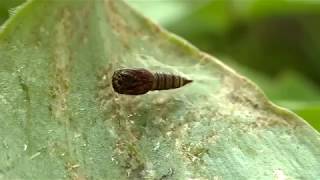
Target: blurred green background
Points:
(276, 43)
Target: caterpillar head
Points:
(132, 81)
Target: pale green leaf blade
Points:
(60, 118)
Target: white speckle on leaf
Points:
(77, 135)
(35, 155)
(112, 132)
(145, 38)
(157, 146)
(160, 100)
(169, 133)
(5, 144)
(217, 178)
(74, 166)
(149, 172)
(279, 175)
(20, 69)
(3, 100)
(25, 147)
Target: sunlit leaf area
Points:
(275, 43)
(75, 103)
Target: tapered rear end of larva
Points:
(168, 81)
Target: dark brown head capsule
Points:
(140, 81)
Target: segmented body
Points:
(140, 81)
(164, 81)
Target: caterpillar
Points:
(140, 81)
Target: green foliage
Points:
(311, 113)
(266, 39)
(7, 8)
(61, 119)
(166, 11)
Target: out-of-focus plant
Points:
(267, 36)
(5, 7)
(276, 43)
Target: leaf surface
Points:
(60, 118)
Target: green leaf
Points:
(174, 10)
(268, 36)
(290, 90)
(7, 7)
(307, 110)
(61, 119)
(312, 114)
(287, 86)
